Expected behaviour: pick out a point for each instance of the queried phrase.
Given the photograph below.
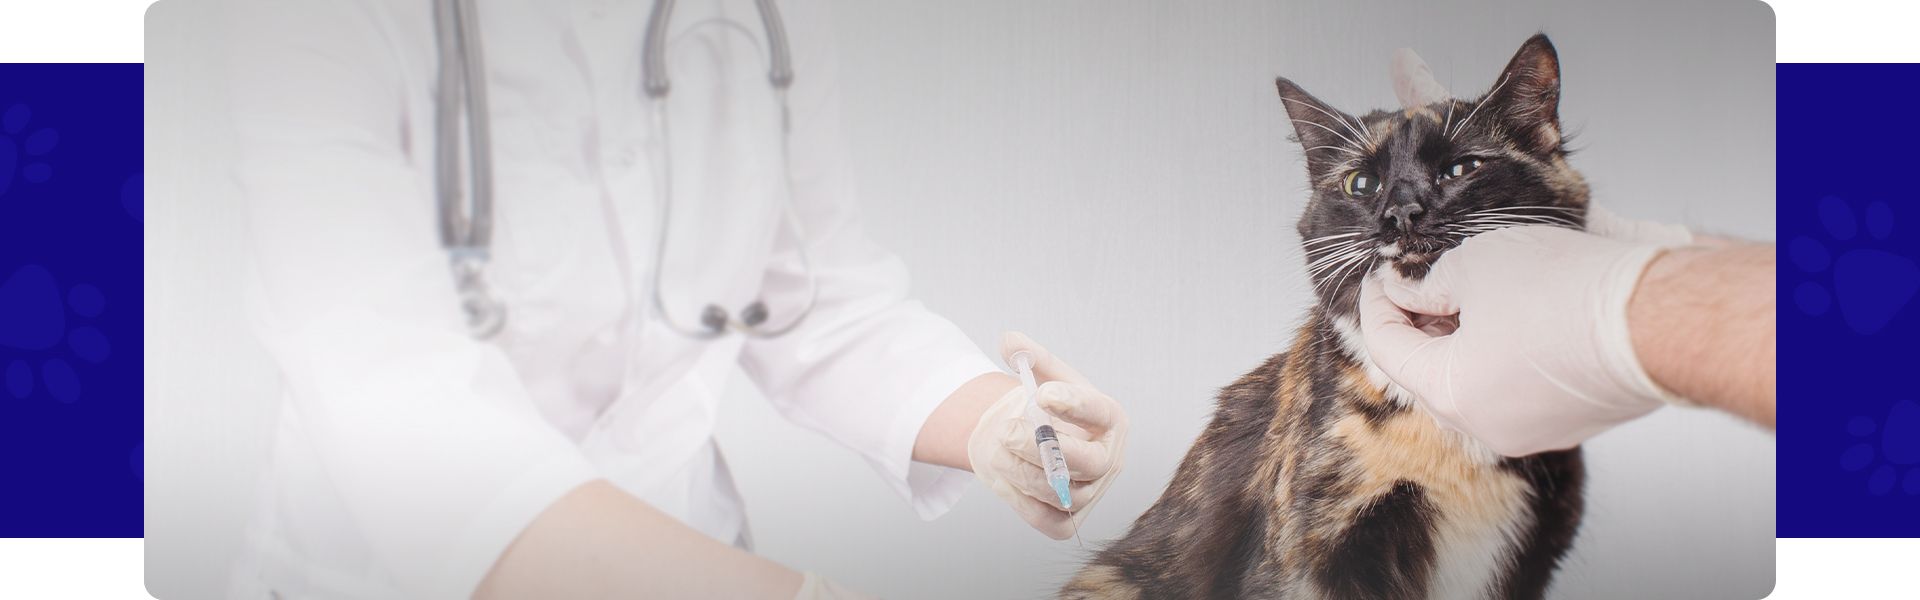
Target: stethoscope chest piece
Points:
(486, 314)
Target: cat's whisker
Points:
(1356, 231)
(1522, 208)
(1517, 215)
(1324, 264)
(1332, 245)
(1519, 218)
(1321, 284)
(1332, 239)
(1332, 256)
(1339, 262)
(1555, 222)
(1340, 277)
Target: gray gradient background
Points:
(1114, 179)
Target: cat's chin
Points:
(1412, 258)
(1414, 267)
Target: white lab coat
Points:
(409, 455)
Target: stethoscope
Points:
(466, 219)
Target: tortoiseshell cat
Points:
(1318, 479)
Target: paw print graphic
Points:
(1897, 449)
(34, 321)
(21, 151)
(1869, 286)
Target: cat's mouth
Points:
(1412, 255)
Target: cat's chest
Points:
(1478, 524)
(1475, 510)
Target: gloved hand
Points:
(815, 587)
(1603, 222)
(1092, 431)
(1414, 86)
(1541, 358)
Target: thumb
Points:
(1431, 295)
(1409, 356)
(1413, 81)
(1046, 366)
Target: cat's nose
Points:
(1400, 215)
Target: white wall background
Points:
(1113, 178)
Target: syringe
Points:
(1052, 460)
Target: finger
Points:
(1046, 366)
(1086, 460)
(1081, 405)
(1032, 483)
(1404, 352)
(1050, 521)
(1606, 223)
(1413, 81)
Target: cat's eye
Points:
(1460, 168)
(1361, 183)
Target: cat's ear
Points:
(1330, 137)
(1526, 99)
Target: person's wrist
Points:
(1632, 388)
(943, 438)
(1645, 319)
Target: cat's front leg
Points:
(1384, 552)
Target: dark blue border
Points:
(70, 300)
(1849, 344)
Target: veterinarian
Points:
(506, 258)
(1563, 334)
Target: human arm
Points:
(600, 542)
(1702, 320)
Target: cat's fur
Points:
(1315, 480)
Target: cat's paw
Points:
(1895, 449)
(1869, 286)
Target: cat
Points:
(1317, 478)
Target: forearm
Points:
(1702, 321)
(943, 438)
(600, 542)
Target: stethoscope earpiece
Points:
(754, 314)
(714, 319)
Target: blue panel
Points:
(1849, 226)
(70, 300)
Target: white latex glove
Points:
(815, 587)
(1415, 86)
(1541, 358)
(1092, 430)
(1603, 222)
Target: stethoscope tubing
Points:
(465, 200)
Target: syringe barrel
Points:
(1053, 462)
